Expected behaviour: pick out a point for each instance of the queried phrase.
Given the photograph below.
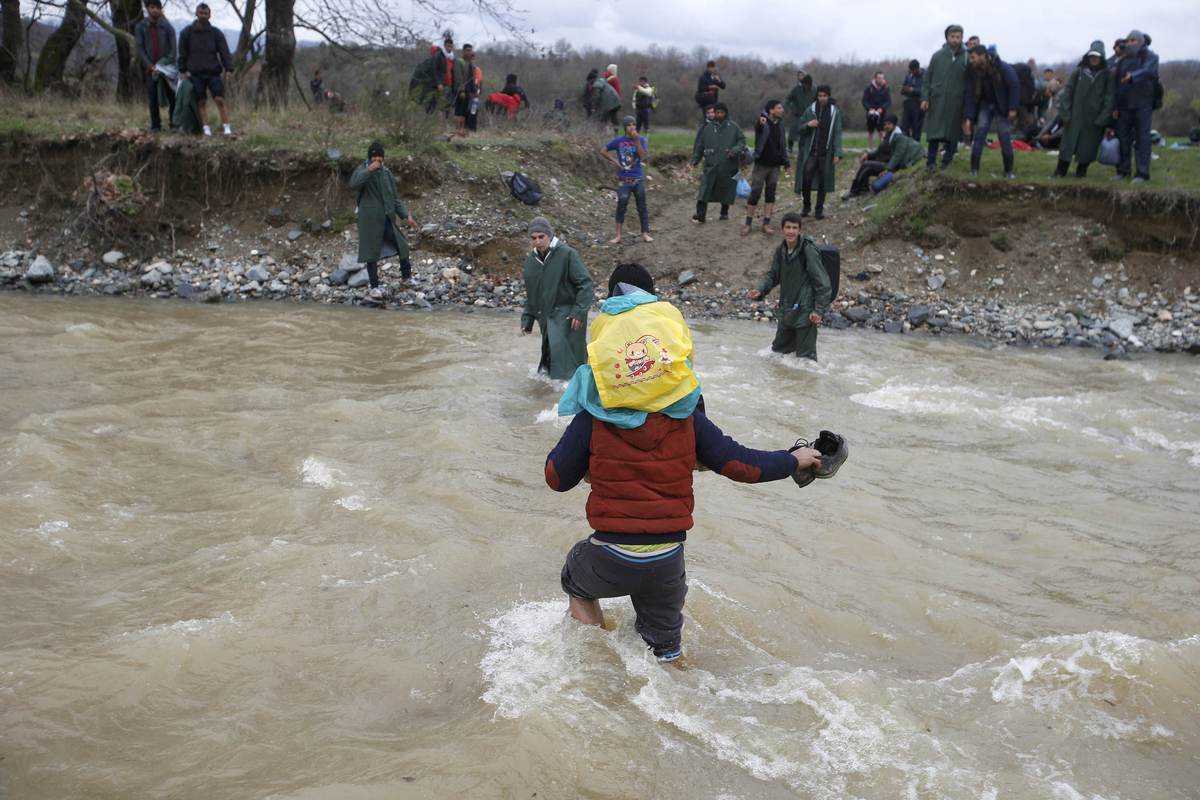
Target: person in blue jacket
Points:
(993, 95)
(1137, 76)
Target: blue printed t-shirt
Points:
(630, 163)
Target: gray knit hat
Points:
(541, 225)
(628, 120)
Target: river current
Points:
(274, 551)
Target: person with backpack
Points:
(1085, 108)
(605, 100)
(645, 98)
(805, 291)
(770, 158)
(719, 144)
(912, 116)
(993, 96)
(942, 98)
(378, 201)
(638, 444)
(630, 154)
(876, 100)
(1030, 90)
(1138, 93)
(708, 87)
(558, 294)
(430, 78)
(818, 150)
(796, 103)
(156, 47)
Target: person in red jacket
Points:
(640, 506)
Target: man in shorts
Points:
(640, 463)
(203, 59)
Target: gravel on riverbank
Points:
(1112, 318)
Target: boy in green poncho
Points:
(558, 294)
(804, 290)
(377, 198)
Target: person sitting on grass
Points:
(637, 441)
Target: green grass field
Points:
(405, 132)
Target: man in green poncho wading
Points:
(719, 145)
(377, 199)
(804, 290)
(1085, 108)
(942, 97)
(818, 149)
(558, 294)
(797, 102)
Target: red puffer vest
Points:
(642, 478)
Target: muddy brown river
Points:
(273, 551)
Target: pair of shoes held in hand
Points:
(834, 452)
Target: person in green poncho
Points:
(719, 145)
(378, 200)
(558, 294)
(1085, 108)
(942, 97)
(804, 290)
(798, 100)
(818, 149)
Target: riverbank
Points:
(125, 213)
(1114, 319)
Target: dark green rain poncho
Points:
(378, 236)
(604, 97)
(945, 85)
(799, 98)
(719, 146)
(558, 289)
(1085, 105)
(806, 144)
(803, 288)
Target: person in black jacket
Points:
(913, 117)
(770, 156)
(203, 58)
(876, 101)
(708, 87)
(993, 95)
(156, 44)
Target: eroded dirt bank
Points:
(1008, 262)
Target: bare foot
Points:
(647, 237)
(615, 240)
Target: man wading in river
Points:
(558, 294)
(639, 431)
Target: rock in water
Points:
(893, 326)
(40, 271)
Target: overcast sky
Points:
(866, 29)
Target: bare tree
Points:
(52, 61)
(244, 55)
(10, 40)
(274, 80)
(126, 14)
